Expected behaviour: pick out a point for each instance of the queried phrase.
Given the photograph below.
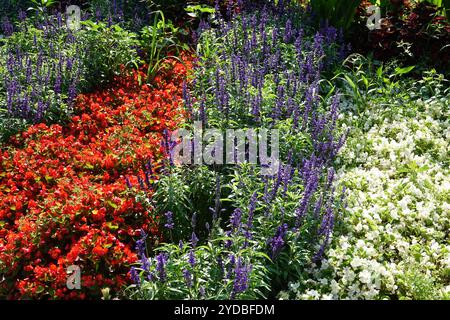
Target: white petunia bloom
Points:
(398, 213)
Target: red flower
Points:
(64, 197)
(100, 251)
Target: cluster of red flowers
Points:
(64, 197)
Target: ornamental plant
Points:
(41, 72)
(45, 65)
(416, 34)
(261, 68)
(393, 240)
(65, 200)
(107, 49)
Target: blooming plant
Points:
(41, 72)
(45, 65)
(393, 241)
(276, 224)
(241, 151)
(64, 197)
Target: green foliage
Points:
(339, 13)
(363, 79)
(41, 5)
(41, 52)
(173, 9)
(444, 4)
(107, 49)
(365, 82)
(10, 126)
(199, 10)
(168, 5)
(160, 42)
(208, 276)
(185, 192)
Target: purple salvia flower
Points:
(59, 19)
(194, 240)
(277, 183)
(141, 183)
(241, 278)
(69, 64)
(318, 208)
(58, 82)
(7, 27)
(229, 242)
(277, 242)
(265, 45)
(40, 110)
(202, 292)
(141, 251)
(311, 184)
(203, 112)
(187, 277)
(72, 91)
(251, 210)
(127, 181)
(325, 230)
(135, 276)
(191, 258)
(288, 31)
(22, 15)
(279, 103)
(330, 178)
(169, 220)
(235, 219)
(253, 43)
(232, 262)
(274, 36)
(161, 260)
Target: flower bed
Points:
(64, 197)
(393, 241)
(92, 177)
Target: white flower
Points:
(365, 277)
(356, 262)
(396, 221)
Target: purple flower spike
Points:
(241, 278)
(192, 258)
(135, 276)
(161, 260)
(169, 220)
(187, 277)
(235, 219)
(277, 242)
(194, 240)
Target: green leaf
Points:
(112, 226)
(405, 70)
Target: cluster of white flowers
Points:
(393, 239)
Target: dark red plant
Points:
(410, 34)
